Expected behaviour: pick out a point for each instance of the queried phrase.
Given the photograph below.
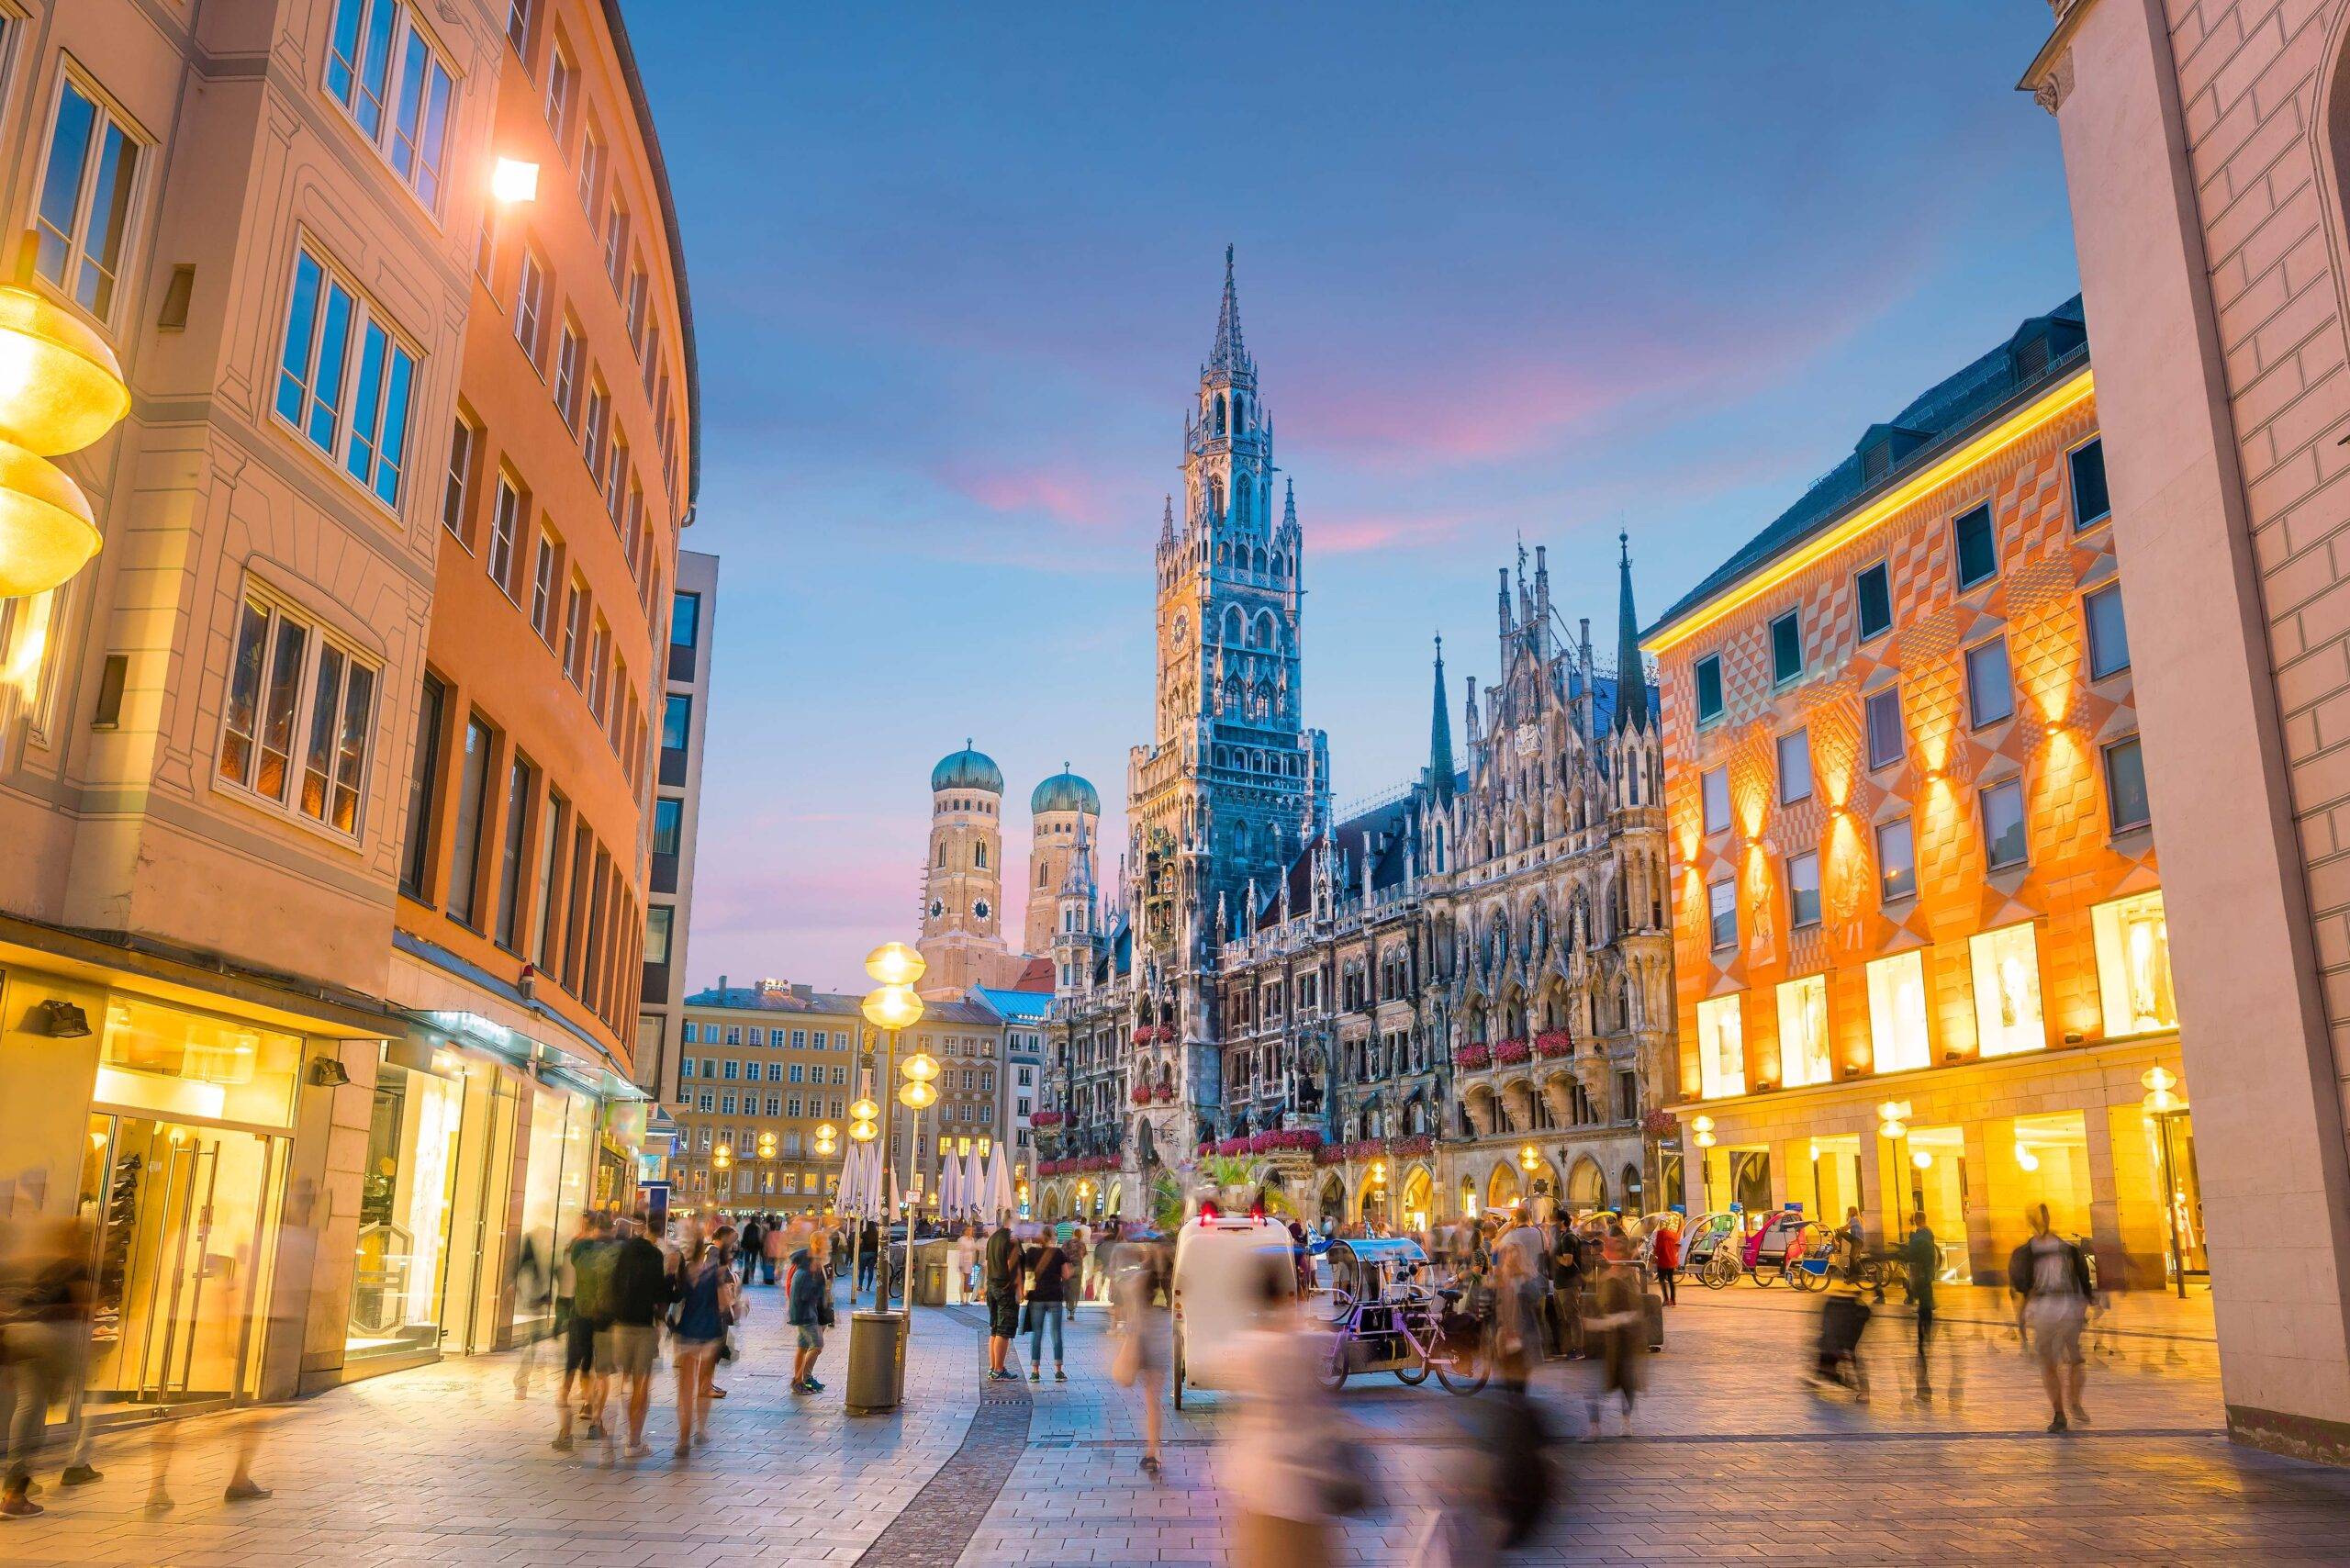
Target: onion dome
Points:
(1065, 791)
(967, 769)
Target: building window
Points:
(393, 84)
(1888, 742)
(456, 494)
(563, 96)
(1802, 890)
(2007, 991)
(289, 686)
(521, 786)
(592, 158)
(473, 808)
(1710, 689)
(796, 1073)
(550, 865)
(425, 776)
(517, 26)
(1794, 766)
(1897, 1012)
(544, 572)
(570, 358)
(2133, 965)
(1990, 693)
(2125, 786)
(1786, 648)
(668, 826)
(1897, 862)
(1873, 599)
(529, 308)
(505, 529)
(1713, 790)
(2005, 841)
(84, 220)
(351, 407)
(1721, 902)
(575, 627)
(1721, 1047)
(1804, 1049)
(2109, 634)
(2090, 504)
(1977, 546)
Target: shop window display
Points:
(2133, 965)
(2007, 991)
(402, 1256)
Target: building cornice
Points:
(2049, 77)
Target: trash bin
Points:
(877, 1362)
(932, 1261)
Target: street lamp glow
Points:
(863, 1110)
(512, 179)
(917, 1095)
(894, 963)
(892, 1007)
(863, 1130)
(919, 1068)
(1701, 1131)
(1530, 1159)
(61, 386)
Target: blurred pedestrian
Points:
(1622, 1326)
(810, 1313)
(967, 1260)
(586, 1349)
(2050, 1279)
(1047, 1303)
(754, 1253)
(1289, 1462)
(1922, 1258)
(705, 1307)
(1664, 1256)
(639, 1290)
(1139, 1363)
(46, 1292)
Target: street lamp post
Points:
(893, 1006)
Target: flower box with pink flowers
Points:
(1513, 1051)
(1472, 1057)
(1552, 1044)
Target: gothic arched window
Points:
(1216, 498)
(1219, 413)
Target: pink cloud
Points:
(1068, 495)
(1348, 533)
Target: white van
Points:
(1221, 1261)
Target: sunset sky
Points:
(1539, 272)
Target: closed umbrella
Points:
(975, 1183)
(1000, 1197)
(950, 1187)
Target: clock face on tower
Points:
(980, 909)
(937, 908)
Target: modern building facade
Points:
(2204, 147)
(208, 962)
(1920, 941)
(683, 718)
(761, 1068)
(564, 475)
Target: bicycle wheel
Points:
(1332, 1372)
(1807, 1275)
(1416, 1374)
(1462, 1372)
(1719, 1272)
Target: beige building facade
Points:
(2204, 146)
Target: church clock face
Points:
(980, 909)
(937, 908)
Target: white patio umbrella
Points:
(975, 1185)
(999, 1194)
(950, 1186)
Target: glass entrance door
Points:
(186, 1222)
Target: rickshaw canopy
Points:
(1379, 1251)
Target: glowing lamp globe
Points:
(919, 1068)
(1530, 1159)
(47, 532)
(512, 179)
(863, 1110)
(894, 963)
(917, 1095)
(61, 386)
(892, 1007)
(826, 1132)
(863, 1131)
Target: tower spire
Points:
(1167, 521)
(1230, 356)
(1632, 676)
(1440, 738)
(1289, 503)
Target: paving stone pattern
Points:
(1730, 1458)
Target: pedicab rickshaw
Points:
(1390, 1315)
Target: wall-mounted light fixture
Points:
(61, 1020)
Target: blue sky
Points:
(1540, 272)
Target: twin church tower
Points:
(962, 911)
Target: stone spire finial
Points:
(1440, 738)
(1631, 675)
(1230, 356)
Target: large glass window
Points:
(83, 219)
(1803, 1032)
(1721, 899)
(1721, 1047)
(1897, 1012)
(1786, 647)
(1888, 741)
(1709, 687)
(473, 808)
(1713, 787)
(345, 380)
(2109, 634)
(424, 780)
(2090, 503)
(1802, 890)
(2007, 991)
(1873, 601)
(659, 921)
(2125, 786)
(1990, 693)
(284, 681)
(1896, 861)
(385, 73)
(521, 784)
(1977, 546)
(2005, 841)
(676, 719)
(668, 825)
(2133, 965)
(685, 620)
(402, 1257)
(1794, 766)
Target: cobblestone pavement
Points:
(1731, 1457)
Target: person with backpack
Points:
(705, 1295)
(2050, 1279)
(1003, 1280)
(811, 1313)
(585, 1388)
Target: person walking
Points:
(1139, 1362)
(640, 1289)
(810, 1313)
(1922, 1258)
(868, 1254)
(1623, 1338)
(967, 1260)
(1664, 1256)
(1047, 1299)
(44, 1345)
(1002, 1286)
(1288, 1456)
(705, 1305)
(753, 1254)
(2050, 1277)
(587, 1347)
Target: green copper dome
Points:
(1065, 791)
(967, 769)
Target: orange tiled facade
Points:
(1912, 859)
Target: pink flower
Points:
(1472, 1057)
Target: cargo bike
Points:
(1389, 1315)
